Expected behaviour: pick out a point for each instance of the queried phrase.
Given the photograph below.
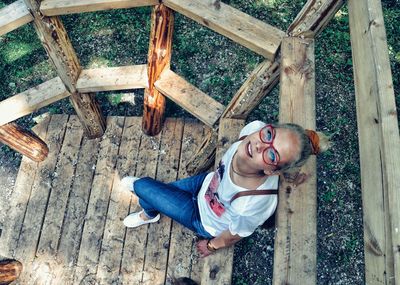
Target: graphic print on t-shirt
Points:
(211, 194)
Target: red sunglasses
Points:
(270, 154)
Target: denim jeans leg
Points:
(157, 197)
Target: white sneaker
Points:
(134, 220)
(126, 183)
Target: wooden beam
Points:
(217, 268)
(14, 16)
(295, 249)
(232, 23)
(24, 142)
(112, 78)
(314, 16)
(32, 100)
(62, 7)
(377, 119)
(159, 57)
(193, 100)
(260, 82)
(54, 38)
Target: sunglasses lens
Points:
(270, 156)
(268, 134)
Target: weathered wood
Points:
(14, 16)
(114, 232)
(55, 40)
(89, 112)
(313, 18)
(260, 82)
(25, 250)
(62, 7)
(159, 57)
(135, 239)
(295, 241)
(32, 100)
(205, 155)
(193, 100)
(376, 118)
(24, 142)
(98, 203)
(232, 23)
(59, 192)
(181, 262)
(20, 197)
(218, 267)
(158, 239)
(70, 240)
(112, 78)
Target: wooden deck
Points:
(66, 215)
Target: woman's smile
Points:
(249, 151)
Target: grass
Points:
(219, 67)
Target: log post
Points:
(159, 57)
(24, 142)
(10, 270)
(55, 40)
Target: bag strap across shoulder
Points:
(254, 192)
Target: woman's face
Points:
(251, 150)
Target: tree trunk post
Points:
(24, 142)
(159, 57)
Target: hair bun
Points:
(314, 141)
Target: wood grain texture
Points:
(14, 16)
(32, 100)
(313, 18)
(232, 23)
(98, 203)
(24, 142)
(108, 271)
(159, 57)
(20, 198)
(112, 78)
(295, 241)
(377, 118)
(193, 100)
(62, 7)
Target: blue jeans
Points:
(177, 200)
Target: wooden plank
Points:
(32, 100)
(159, 57)
(183, 259)
(23, 141)
(232, 23)
(260, 82)
(70, 240)
(114, 233)
(36, 209)
(376, 118)
(14, 16)
(313, 18)
(63, 176)
(55, 41)
(217, 268)
(62, 7)
(20, 198)
(193, 100)
(135, 241)
(98, 203)
(295, 242)
(158, 240)
(112, 78)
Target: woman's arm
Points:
(225, 239)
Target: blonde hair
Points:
(306, 147)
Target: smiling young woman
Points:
(207, 204)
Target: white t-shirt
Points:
(246, 213)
